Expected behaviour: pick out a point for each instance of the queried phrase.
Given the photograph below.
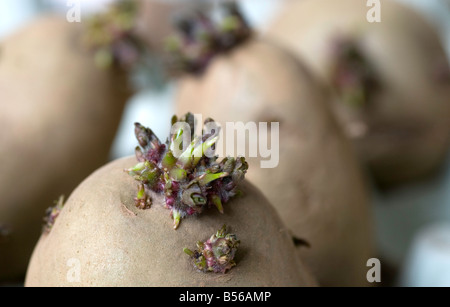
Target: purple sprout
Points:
(215, 254)
(52, 213)
(199, 38)
(111, 36)
(190, 181)
(352, 74)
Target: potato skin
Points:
(408, 131)
(120, 245)
(59, 117)
(318, 187)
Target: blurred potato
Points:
(317, 187)
(59, 117)
(391, 80)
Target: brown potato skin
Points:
(120, 245)
(317, 188)
(59, 117)
(408, 122)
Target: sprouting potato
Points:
(316, 185)
(391, 81)
(103, 236)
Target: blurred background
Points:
(412, 222)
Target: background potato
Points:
(59, 117)
(402, 129)
(317, 188)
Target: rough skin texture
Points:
(59, 117)
(317, 188)
(118, 244)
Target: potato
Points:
(59, 117)
(113, 243)
(317, 187)
(395, 71)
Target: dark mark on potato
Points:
(300, 242)
(5, 233)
